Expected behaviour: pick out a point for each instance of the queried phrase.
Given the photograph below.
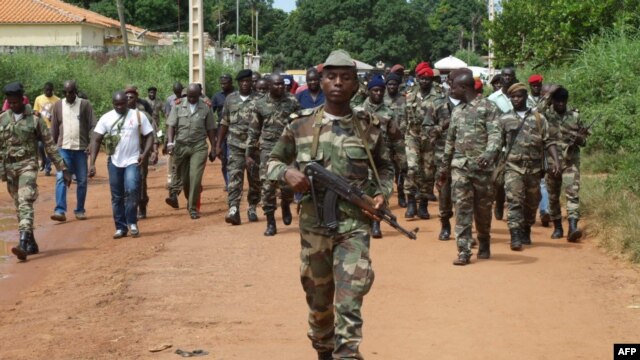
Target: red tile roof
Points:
(56, 12)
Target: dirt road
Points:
(229, 290)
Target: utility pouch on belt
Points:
(109, 141)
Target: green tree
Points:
(547, 32)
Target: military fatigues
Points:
(143, 196)
(398, 105)
(335, 264)
(524, 165)
(562, 130)
(426, 115)
(389, 127)
(236, 115)
(19, 160)
(473, 131)
(190, 151)
(269, 117)
(435, 126)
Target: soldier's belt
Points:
(526, 163)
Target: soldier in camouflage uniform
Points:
(234, 127)
(473, 141)
(157, 106)
(427, 112)
(133, 102)
(20, 131)
(397, 103)
(269, 116)
(569, 133)
(336, 270)
(525, 134)
(445, 205)
(374, 104)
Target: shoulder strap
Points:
(538, 122)
(362, 134)
(317, 126)
(139, 122)
(119, 122)
(514, 139)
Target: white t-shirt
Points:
(128, 149)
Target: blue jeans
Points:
(46, 162)
(544, 201)
(76, 161)
(125, 185)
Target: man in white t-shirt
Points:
(123, 165)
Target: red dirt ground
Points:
(204, 284)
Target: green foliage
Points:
(99, 78)
(552, 31)
(394, 31)
(617, 222)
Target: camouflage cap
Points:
(339, 58)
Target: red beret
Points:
(423, 69)
(535, 78)
(320, 67)
(396, 68)
(478, 84)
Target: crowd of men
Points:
(514, 146)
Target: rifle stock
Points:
(336, 187)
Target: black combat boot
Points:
(20, 251)
(32, 245)
(484, 250)
(526, 235)
(402, 198)
(411, 207)
(445, 232)
(558, 232)
(498, 210)
(463, 259)
(325, 355)
(574, 233)
(516, 239)
(375, 230)
(233, 216)
(545, 219)
(172, 200)
(271, 225)
(423, 210)
(286, 212)
(142, 211)
(432, 197)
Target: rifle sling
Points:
(362, 134)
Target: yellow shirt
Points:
(44, 105)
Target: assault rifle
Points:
(337, 186)
(573, 141)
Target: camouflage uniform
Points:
(236, 115)
(360, 95)
(562, 129)
(524, 166)
(269, 117)
(398, 105)
(436, 125)
(474, 131)
(19, 160)
(143, 195)
(390, 129)
(335, 264)
(426, 114)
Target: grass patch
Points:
(614, 216)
